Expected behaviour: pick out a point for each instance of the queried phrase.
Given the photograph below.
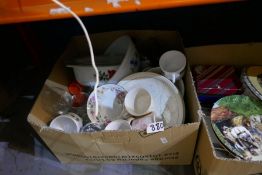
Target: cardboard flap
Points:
(192, 100)
(228, 54)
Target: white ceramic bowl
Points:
(119, 60)
(85, 75)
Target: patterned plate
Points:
(236, 120)
(110, 104)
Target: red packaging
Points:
(218, 80)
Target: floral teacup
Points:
(110, 104)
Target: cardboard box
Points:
(175, 145)
(210, 158)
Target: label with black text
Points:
(155, 127)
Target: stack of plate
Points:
(252, 81)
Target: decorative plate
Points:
(110, 104)
(236, 121)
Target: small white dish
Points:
(168, 103)
(110, 104)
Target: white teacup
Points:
(118, 125)
(70, 123)
(138, 102)
(172, 63)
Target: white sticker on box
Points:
(155, 127)
(163, 140)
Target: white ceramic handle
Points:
(174, 77)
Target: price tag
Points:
(155, 127)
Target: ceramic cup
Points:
(118, 125)
(142, 122)
(172, 63)
(110, 104)
(138, 102)
(70, 123)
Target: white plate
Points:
(179, 83)
(169, 104)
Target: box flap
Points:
(99, 146)
(228, 54)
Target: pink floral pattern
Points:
(91, 105)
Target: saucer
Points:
(236, 120)
(167, 99)
(110, 104)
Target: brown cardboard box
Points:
(175, 145)
(209, 157)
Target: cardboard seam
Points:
(195, 93)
